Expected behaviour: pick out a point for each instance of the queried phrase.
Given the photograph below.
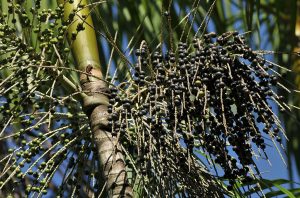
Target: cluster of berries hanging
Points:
(40, 124)
(214, 95)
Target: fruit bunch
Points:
(212, 95)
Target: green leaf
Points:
(249, 13)
(265, 184)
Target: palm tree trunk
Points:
(85, 51)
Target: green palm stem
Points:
(85, 52)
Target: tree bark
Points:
(108, 148)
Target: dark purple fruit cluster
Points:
(210, 95)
